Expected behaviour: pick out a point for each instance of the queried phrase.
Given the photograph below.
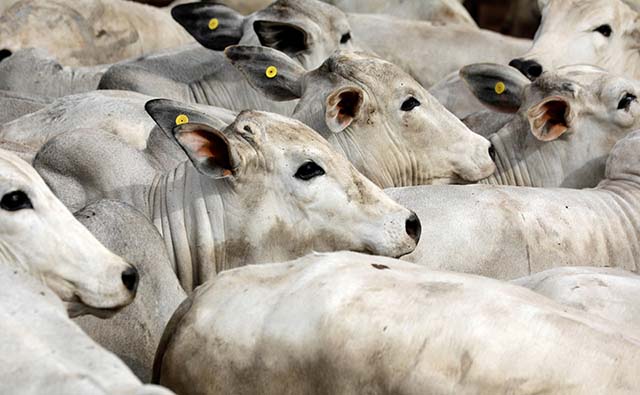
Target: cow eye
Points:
(626, 101)
(410, 104)
(308, 171)
(345, 38)
(605, 30)
(14, 201)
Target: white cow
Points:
(39, 235)
(347, 323)
(565, 122)
(362, 116)
(436, 11)
(265, 188)
(510, 232)
(88, 32)
(52, 267)
(379, 117)
(612, 294)
(597, 32)
(429, 53)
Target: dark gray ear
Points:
(499, 87)
(286, 37)
(200, 136)
(268, 70)
(215, 26)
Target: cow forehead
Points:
(311, 9)
(358, 66)
(284, 131)
(591, 9)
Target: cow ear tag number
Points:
(271, 72)
(214, 23)
(500, 88)
(182, 119)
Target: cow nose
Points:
(530, 68)
(413, 227)
(492, 153)
(130, 279)
(5, 53)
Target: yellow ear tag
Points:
(500, 88)
(271, 72)
(182, 119)
(214, 23)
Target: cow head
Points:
(604, 33)
(286, 191)
(384, 121)
(40, 236)
(570, 117)
(306, 30)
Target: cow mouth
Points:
(76, 308)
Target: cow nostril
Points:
(5, 53)
(534, 70)
(130, 279)
(413, 227)
(492, 152)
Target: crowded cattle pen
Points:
(319, 197)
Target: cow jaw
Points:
(48, 242)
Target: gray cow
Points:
(508, 232)
(307, 30)
(563, 125)
(267, 188)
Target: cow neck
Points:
(399, 167)
(510, 170)
(188, 209)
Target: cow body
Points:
(532, 229)
(89, 32)
(346, 323)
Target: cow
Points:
(346, 323)
(33, 72)
(44, 352)
(597, 32)
(265, 188)
(356, 100)
(564, 125)
(436, 11)
(609, 293)
(510, 232)
(369, 117)
(427, 51)
(88, 32)
(308, 30)
(39, 235)
(134, 333)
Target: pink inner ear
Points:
(206, 145)
(550, 120)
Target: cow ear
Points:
(215, 26)
(269, 71)
(498, 87)
(550, 118)
(283, 36)
(343, 106)
(199, 136)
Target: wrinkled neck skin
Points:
(212, 225)
(568, 162)
(395, 165)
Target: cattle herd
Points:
(256, 197)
